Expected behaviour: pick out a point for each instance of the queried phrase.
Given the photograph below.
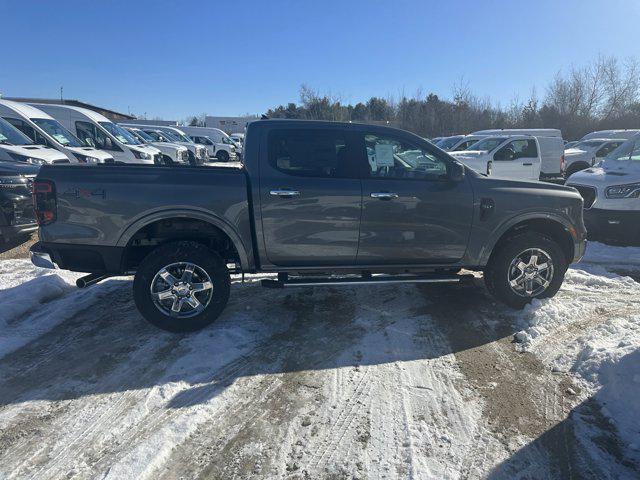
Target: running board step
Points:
(375, 279)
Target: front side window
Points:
(390, 157)
(92, 135)
(55, 130)
(517, 149)
(120, 133)
(309, 153)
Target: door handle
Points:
(285, 193)
(384, 195)
(527, 164)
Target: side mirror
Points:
(456, 172)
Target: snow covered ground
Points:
(377, 382)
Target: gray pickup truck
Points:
(318, 203)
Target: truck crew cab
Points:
(318, 203)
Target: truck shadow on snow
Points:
(587, 444)
(107, 348)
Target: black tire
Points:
(174, 253)
(192, 158)
(166, 160)
(496, 273)
(222, 156)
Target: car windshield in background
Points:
(120, 133)
(629, 150)
(9, 135)
(488, 144)
(60, 134)
(589, 144)
(182, 137)
(174, 137)
(143, 135)
(447, 143)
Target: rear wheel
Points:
(526, 266)
(181, 286)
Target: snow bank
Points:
(34, 300)
(591, 330)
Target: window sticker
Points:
(384, 155)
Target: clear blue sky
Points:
(176, 58)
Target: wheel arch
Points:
(216, 223)
(554, 227)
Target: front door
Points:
(411, 212)
(517, 159)
(311, 197)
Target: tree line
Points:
(605, 94)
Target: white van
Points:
(611, 193)
(101, 133)
(218, 143)
(627, 134)
(198, 153)
(15, 146)
(46, 130)
(171, 152)
(520, 157)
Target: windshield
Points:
(143, 136)
(589, 144)
(120, 133)
(9, 135)
(173, 137)
(488, 144)
(177, 136)
(447, 143)
(60, 134)
(629, 150)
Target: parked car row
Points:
(524, 154)
(68, 134)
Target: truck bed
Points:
(107, 205)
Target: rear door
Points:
(311, 197)
(517, 159)
(412, 213)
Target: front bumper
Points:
(613, 226)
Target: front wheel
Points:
(181, 286)
(524, 267)
(222, 156)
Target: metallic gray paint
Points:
(430, 224)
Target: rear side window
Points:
(309, 153)
(517, 149)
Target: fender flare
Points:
(504, 227)
(214, 220)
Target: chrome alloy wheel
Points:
(181, 290)
(530, 272)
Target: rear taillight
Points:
(44, 201)
(563, 164)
